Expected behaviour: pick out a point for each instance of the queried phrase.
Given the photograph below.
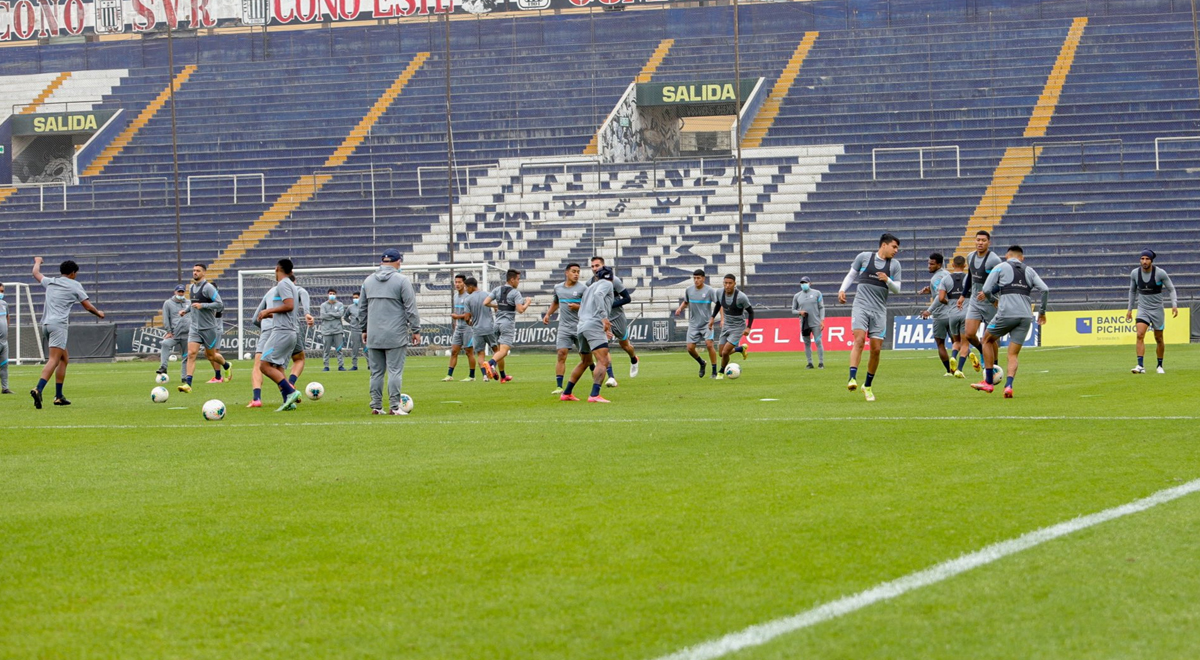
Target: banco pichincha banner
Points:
(1108, 327)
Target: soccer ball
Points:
(214, 410)
(159, 394)
(314, 391)
(406, 403)
(997, 374)
(246, 356)
(161, 378)
(733, 371)
(173, 358)
(611, 382)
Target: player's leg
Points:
(860, 341)
(1014, 350)
(193, 350)
(1142, 327)
(585, 361)
(712, 353)
(633, 358)
(277, 375)
(972, 336)
(875, 347)
(816, 335)
(337, 349)
(165, 350)
(4, 368)
(455, 349)
(395, 375)
(327, 347)
(603, 362)
(943, 354)
(297, 367)
(807, 336)
(60, 377)
(471, 360)
(377, 366)
(726, 351)
(1160, 348)
(256, 381)
(991, 345)
(560, 368)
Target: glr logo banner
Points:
(1108, 327)
(781, 335)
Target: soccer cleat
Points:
(1138, 370)
(611, 382)
(852, 385)
(633, 369)
(959, 374)
(1008, 392)
(61, 401)
(185, 388)
(948, 373)
(974, 362)
(377, 411)
(37, 398)
(557, 390)
(254, 404)
(215, 380)
(506, 379)
(161, 370)
(6, 391)
(485, 377)
(598, 399)
(468, 379)
(489, 371)
(715, 376)
(354, 368)
(290, 402)
(568, 397)
(703, 365)
(447, 379)
(821, 365)
(341, 368)
(983, 386)
(397, 411)
(809, 366)
(1161, 371)
(325, 369)
(720, 376)
(228, 372)
(868, 394)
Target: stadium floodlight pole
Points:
(449, 149)
(737, 136)
(174, 151)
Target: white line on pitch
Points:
(762, 633)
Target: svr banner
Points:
(915, 333)
(1108, 327)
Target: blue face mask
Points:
(1, 296)
(356, 301)
(804, 287)
(180, 298)
(332, 298)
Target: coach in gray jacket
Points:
(390, 323)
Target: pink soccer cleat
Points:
(983, 386)
(598, 399)
(254, 404)
(568, 397)
(215, 380)
(506, 379)
(1008, 393)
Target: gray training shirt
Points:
(596, 304)
(936, 309)
(505, 297)
(1015, 305)
(61, 294)
(811, 302)
(568, 320)
(700, 305)
(331, 318)
(389, 309)
(205, 318)
(869, 297)
(1147, 301)
(268, 300)
(3, 320)
(979, 270)
(481, 315)
(285, 289)
(173, 323)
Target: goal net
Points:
(434, 286)
(24, 336)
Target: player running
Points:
(595, 331)
(282, 338)
(205, 329)
(304, 321)
(507, 300)
(3, 344)
(1014, 283)
(620, 323)
(701, 301)
(176, 326)
(950, 290)
(877, 275)
(979, 311)
(265, 326)
(61, 294)
(568, 295)
(809, 305)
(461, 334)
(938, 310)
(482, 324)
(737, 317)
(1146, 285)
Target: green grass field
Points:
(496, 522)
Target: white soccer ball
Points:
(214, 410)
(159, 395)
(406, 403)
(161, 378)
(997, 374)
(611, 382)
(246, 356)
(314, 391)
(173, 358)
(733, 371)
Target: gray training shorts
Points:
(1155, 318)
(480, 342)
(1015, 328)
(958, 324)
(277, 347)
(981, 311)
(507, 332)
(593, 336)
(699, 335)
(874, 323)
(941, 328)
(460, 335)
(568, 339)
(55, 335)
(731, 335)
(620, 327)
(206, 338)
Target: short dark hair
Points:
(984, 232)
(937, 258)
(698, 272)
(571, 265)
(332, 291)
(1017, 249)
(959, 260)
(597, 258)
(730, 277)
(355, 293)
(286, 266)
(471, 281)
(68, 267)
(888, 238)
(512, 272)
(200, 266)
(461, 276)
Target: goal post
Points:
(24, 336)
(434, 285)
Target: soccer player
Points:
(507, 300)
(304, 321)
(620, 323)
(568, 295)
(390, 324)
(355, 343)
(1014, 283)
(461, 335)
(809, 305)
(282, 337)
(265, 326)
(1146, 285)
(205, 330)
(980, 264)
(483, 324)
(737, 317)
(61, 294)
(595, 330)
(877, 275)
(176, 324)
(937, 310)
(3, 344)
(701, 302)
(330, 329)
(950, 290)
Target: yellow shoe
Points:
(869, 394)
(185, 388)
(974, 361)
(958, 374)
(852, 385)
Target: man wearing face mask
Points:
(177, 325)
(331, 315)
(3, 344)
(356, 344)
(809, 305)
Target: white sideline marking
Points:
(462, 422)
(764, 632)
